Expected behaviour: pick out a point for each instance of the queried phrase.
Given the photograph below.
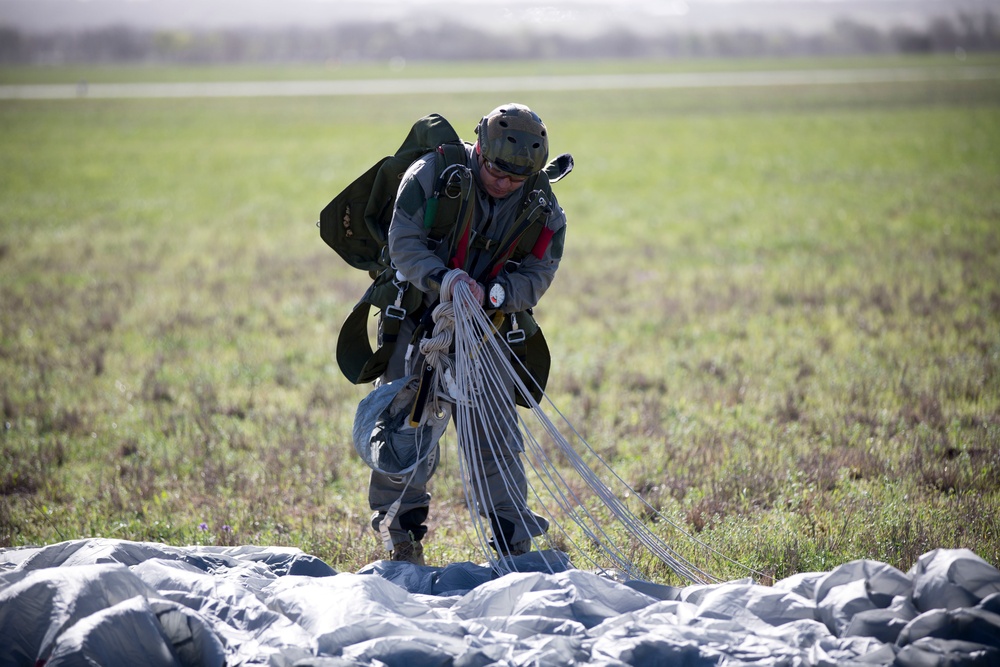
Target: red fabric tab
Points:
(544, 238)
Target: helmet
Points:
(514, 138)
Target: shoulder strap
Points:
(452, 191)
(536, 209)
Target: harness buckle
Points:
(395, 312)
(481, 241)
(516, 336)
(453, 185)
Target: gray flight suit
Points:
(417, 260)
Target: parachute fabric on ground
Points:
(116, 602)
(477, 383)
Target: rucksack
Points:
(356, 223)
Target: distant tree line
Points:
(965, 33)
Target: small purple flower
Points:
(227, 528)
(203, 526)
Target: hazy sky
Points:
(578, 16)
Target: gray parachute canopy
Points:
(114, 602)
(383, 436)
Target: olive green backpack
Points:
(356, 222)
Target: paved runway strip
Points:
(494, 84)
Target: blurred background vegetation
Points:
(965, 32)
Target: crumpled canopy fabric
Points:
(112, 602)
(383, 436)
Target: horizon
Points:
(579, 17)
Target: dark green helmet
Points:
(514, 138)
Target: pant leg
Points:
(500, 482)
(505, 504)
(384, 490)
(408, 524)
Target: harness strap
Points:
(454, 181)
(390, 516)
(535, 212)
(357, 360)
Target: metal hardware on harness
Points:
(395, 312)
(478, 240)
(453, 177)
(539, 203)
(516, 336)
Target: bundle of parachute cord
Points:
(473, 369)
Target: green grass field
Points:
(422, 69)
(778, 316)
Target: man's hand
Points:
(478, 291)
(456, 276)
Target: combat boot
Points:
(410, 552)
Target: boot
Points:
(520, 548)
(410, 552)
(503, 532)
